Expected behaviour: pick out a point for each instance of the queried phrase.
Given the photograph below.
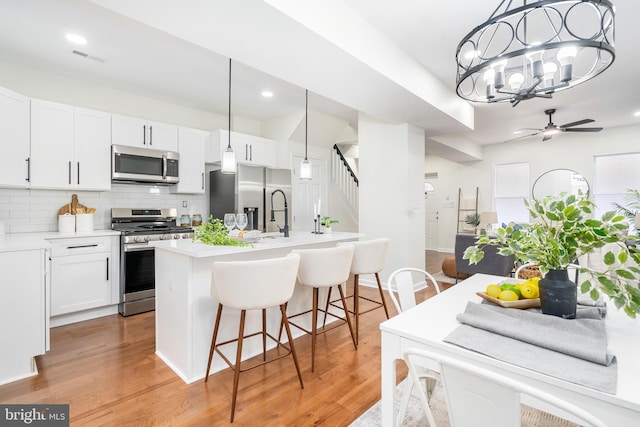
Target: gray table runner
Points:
(572, 350)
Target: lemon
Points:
(511, 287)
(529, 291)
(493, 290)
(508, 295)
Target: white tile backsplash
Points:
(26, 211)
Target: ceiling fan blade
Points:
(546, 138)
(579, 122)
(583, 130)
(521, 137)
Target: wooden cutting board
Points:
(521, 303)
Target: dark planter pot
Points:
(558, 294)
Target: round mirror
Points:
(558, 181)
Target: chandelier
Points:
(536, 49)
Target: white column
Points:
(392, 189)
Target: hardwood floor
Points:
(106, 370)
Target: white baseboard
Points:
(94, 313)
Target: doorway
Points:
(431, 216)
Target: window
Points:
(510, 188)
(613, 175)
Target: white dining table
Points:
(426, 325)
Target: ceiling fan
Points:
(551, 129)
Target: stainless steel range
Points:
(137, 266)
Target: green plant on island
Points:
(213, 232)
(327, 221)
(562, 230)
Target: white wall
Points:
(392, 189)
(568, 150)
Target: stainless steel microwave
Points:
(133, 164)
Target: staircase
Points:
(344, 182)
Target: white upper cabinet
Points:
(51, 145)
(191, 143)
(250, 150)
(69, 147)
(92, 149)
(136, 132)
(14, 134)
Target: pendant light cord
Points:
(229, 143)
(306, 116)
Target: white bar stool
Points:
(369, 257)
(253, 285)
(324, 268)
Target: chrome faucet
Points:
(284, 230)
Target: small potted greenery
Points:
(326, 222)
(473, 220)
(562, 230)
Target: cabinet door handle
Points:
(150, 135)
(251, 153)
(83, 246)
(78, 173)
(107, 268)
(69, 172)
(246, 152)
(144, 134)
(28, 160)
(203, 180)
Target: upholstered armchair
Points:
(492, 263)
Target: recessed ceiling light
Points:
(637, 114)
(75, 38)
(267, 93)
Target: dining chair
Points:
(405, 282)
(253, 285)
(477, 397)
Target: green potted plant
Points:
(473, 220)
(632, 207)
(562, 230)
(326, 222)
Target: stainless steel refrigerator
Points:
(250, 190)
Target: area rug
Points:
(415, 415)
(441, 277)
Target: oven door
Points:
(137, 284)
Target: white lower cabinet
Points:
(82, 273)
(23, 316)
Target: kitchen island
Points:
(185, 311)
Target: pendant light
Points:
(305, 165)
(228, 165)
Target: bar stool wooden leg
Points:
(285, 322)
(264, 334)
(213, 341)
(236, 374)
(356, 303)
(384, 303)
(314, 327)
(346, 316)
(326, 308)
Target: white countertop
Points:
(29, 241)
(268, 241)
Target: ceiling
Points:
(392, 60)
